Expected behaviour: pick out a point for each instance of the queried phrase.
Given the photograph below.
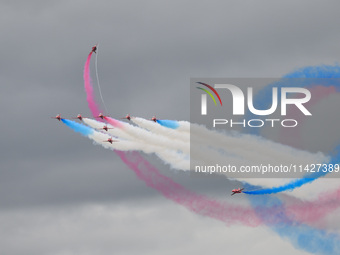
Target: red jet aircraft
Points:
(236, 191)
(94, 48)
(128, 117)
(79, 117)
(57, 117)
(106, 128)
(109, 140)
(101, 116)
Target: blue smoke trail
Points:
(289, 186)
(77, 127)
(323, 71)
(299, 182)
(325, 75)
(169, 123)
(302, 77)
(300, 235)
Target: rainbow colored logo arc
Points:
(209, 93)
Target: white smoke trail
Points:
(140, 135)
(253, 148)
(169, 149)
(247, 147)
(236, 149)
(137, 135)
(100, 90)
(174, 157)
(129, 142)
(182, 133)
(211, 148)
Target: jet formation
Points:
(128, 117)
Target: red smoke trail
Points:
(312, 211)
(194, 202)
(170, 189)
(113, 122)
(198, 203)
(89, 88)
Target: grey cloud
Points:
(148, 51)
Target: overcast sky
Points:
(60, 194)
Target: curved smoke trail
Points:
(309, 76)
(303, 236)
(114, 122)
(174, 191)
(89, 88)
(134, 160)
(150, 175)
(296, 183)
(99, 88)
(253, 148)
(94, 110)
